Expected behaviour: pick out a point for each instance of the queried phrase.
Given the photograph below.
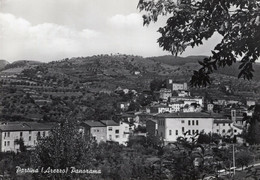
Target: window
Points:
(193, 132)
(197, 122)
(8, 134)
(182, 129)
(197, 131)
(189, 132)
(176, 132)
(235, 130)
(21, 134)
(182, 121)
(217, 124)
(30, 132)
(5, 143)
(217, 130)
(193, 122)
(97, 130)
(110, 129)
(110, 137)
(223, 124)
(5, 134)
(39, 133)
(30, 138)
(117, 131)
(170, 132)
(43, 134)
(223, 130)
(117, 136)
(8, 143)
(229, 124)
(189, 122)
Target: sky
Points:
(47, 30)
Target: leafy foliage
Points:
(64, 148)
(191, 22)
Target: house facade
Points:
(117, 132)
(173, 125)
(170, 84)
(29, 132)
(95, 130)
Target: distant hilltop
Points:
(3, 63)
(19, 63)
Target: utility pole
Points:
(234, 160)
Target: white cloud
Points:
(20, 37)
(132, 20)
(14, 27)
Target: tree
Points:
(157, 84)
(252, 133)
(191, 22)
(243, 158)
(186, 160)
(65, 147)
(20, 142)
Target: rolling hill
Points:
(3, 63)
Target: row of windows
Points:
(224, 131)
(223, 124)
(98, 130)
(7, 143)
(193, 132)
(193, 122)
(21, 134)
(7, 134)
(111, 128)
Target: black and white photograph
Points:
(129, 89)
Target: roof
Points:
(160, 106)
(109, 123)
(93, 123)
(152, 120)
(26, 126)
(185, 115)
(223, 121)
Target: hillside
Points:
(192, 61)
(21, 63)
(3, 63)
(175, 60)
(234, 71)
(108, 72)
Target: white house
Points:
(117, 132)
(173, 125)
(176, 106)
(160, 108)
(29, 132)
(175, 86)
(226, 127)
(188, 100)
(95, 130)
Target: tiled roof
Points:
(110, 123)
(186, 115)
(93, 123)
(25, 126)
(223, 121)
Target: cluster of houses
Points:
(175, 114)
(30, 132)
